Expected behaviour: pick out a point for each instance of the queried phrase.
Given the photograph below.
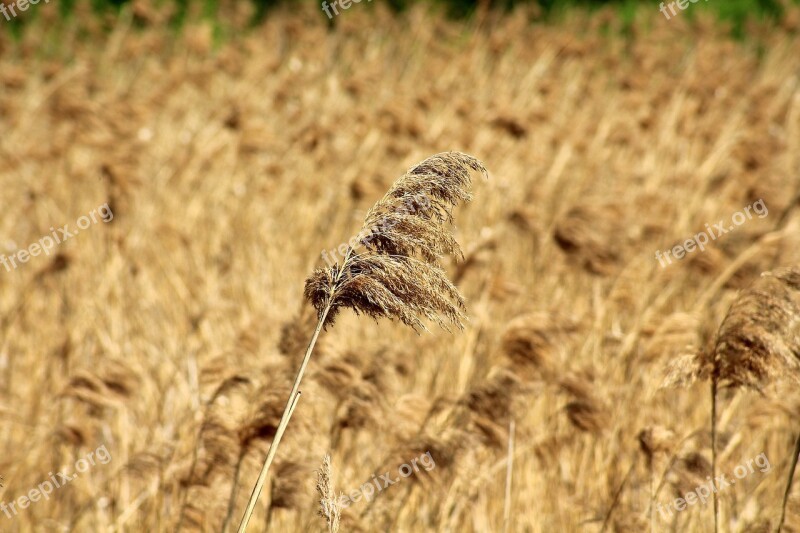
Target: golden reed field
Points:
(165, 195)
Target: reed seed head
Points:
(330, 508)
(759, 339)
(405, 234)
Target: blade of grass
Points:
(789, 483)
(287, 414)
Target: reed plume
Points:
(758, 342)
(759, 339)
(391, 268)
(404, 235)
(329, 509)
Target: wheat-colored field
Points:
(164, 342)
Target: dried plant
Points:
(330, 508)
(603, 160)
(396, 274)
(403, 236)
(758, 342)
(531, 342)
(654, 441)
(509, 471)
(287, 487)
(591, 234)
(591, 417)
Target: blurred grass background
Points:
(736, 13)
(233, 158)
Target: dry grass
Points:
(759, 340)
(392, 267)
(328, 500)
(172, 333)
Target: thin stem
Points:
(714, 447)
(234, 489)
(789, 483)
(232, 497)
(616, 499)
(287, 414)
(509, 469)
(652, 497)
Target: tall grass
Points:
(391, 268)
(174, 334)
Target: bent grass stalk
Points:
(757, 343)
(789, 481)
(509, 473)
(397, 276)
(291, 403)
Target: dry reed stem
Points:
(616, 499)
(509, 471)
(387, 280)
(789, 481)
(654, 440)
(294, 396)
(714, 384)
(757, 343)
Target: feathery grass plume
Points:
(592, 234)
(360, 393)
(397, 274)
(759, 339)
(531, 342)
(110, 384)
(591, 417)
(757, 342)
(364, 407)
(587, 411)
(330, 508)
(579, 384)
(288, 486)
(490, 405)
(404, 235)
(691, 469)
(528, 345)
